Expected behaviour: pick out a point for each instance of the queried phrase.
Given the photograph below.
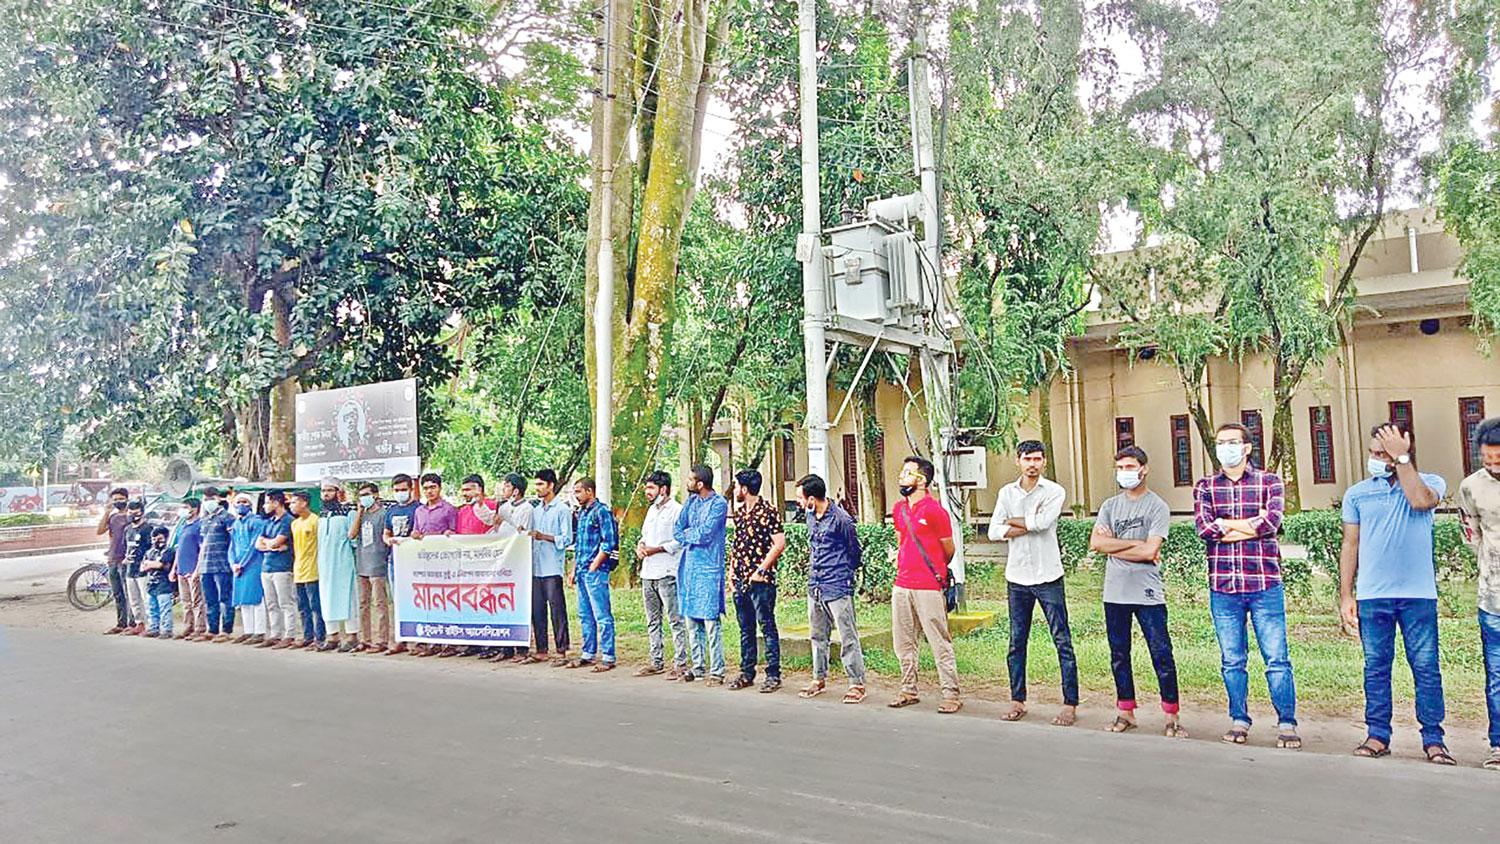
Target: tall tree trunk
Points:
(871, 480)
(283, 411)
(1283, 457)
(251, 450)
(1044, 421)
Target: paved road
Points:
(132, 740)
(42, 573)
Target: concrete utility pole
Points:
(809, 246)
(604, 301)
(937, 368)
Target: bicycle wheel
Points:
(88, 587)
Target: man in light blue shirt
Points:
(700, 531)
(1387, 580)
(551, 534)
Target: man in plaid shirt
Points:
(1238, 514)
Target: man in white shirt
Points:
(512, 516)
(659, 553)
(1026, 514)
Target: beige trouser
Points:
(922, 608)
(190, 593)
(373, 590)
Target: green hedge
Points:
(1184, 560)
(1322, 533)
(24, 519)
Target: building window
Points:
(1252, 422)
(851, 475)
(1182, 452)
(879, 447)
(1401, 417)
(1124, 431)
(1322, 441)
(1470, 414)
(788, 458)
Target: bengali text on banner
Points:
(463, 590)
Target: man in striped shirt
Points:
(1238, 513)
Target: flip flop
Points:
(1438, 755)
(950, 706)
(904, 700)
(1121, 725)
(1013, 715)
(1289, 741)
(1369, 751)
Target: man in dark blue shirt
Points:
(833, 555)
(275, 543)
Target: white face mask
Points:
(403, 496)
(1379, 469)
(1128, 478)
(210, 506)
(1230, 454)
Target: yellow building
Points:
(1410, 356)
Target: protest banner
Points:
(368, 431)
(463, 590)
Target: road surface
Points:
(42, 573)
(132, 740)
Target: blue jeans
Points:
(1022, 602)
(1153, 621)
(218, 595)
(1378, 619)
(160, 609)
(595, 616)
(758, 603)
(312, 612)
(1489, 640)
(699, 631)
(1267, 612)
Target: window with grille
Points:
(1322, 443)
(1182, 452)
(1401, 417)
(1470, 414)
(1251, 419)
(1124, 431)
(851, 474)
(788, 458)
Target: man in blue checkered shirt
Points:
(596, 548)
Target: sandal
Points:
(1370, 751)
(740, 682)
(1175, 730)
(1121, 725)
(1289, 741)
(812, 689)
(950, 706)
(904, 700)
(1014, 714)
(1492, 763)
(855, 694)
(602, 667)
(1236, 735)
(1438, 755)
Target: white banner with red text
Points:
(463, 590)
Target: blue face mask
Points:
(403, 496)
(1378, 468)
(242, 509)
(367, 501)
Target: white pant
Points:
(280, 605)
(135, 587)
(348, 626)
(254, 619)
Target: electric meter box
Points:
(873, 274)
(968, 466)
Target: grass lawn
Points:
(1328, 665)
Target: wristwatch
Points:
(1404, 459)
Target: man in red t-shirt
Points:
(926, 545)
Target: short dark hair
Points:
(587, 483)
(749, 479)
(401, 478)
(515, 480)
(1133, 451)
(547, 476)
(1488, 432)
(371, 486)
(277, 496)
(813, 486)
(923, 465)
(119, 490)
(160, 530)
(192, 502)
(1234, 426)
(301, 495)
(660, 478)
(1400, 428)
(212, 492)
(1025, 447)
(432, 478)
(136, 504)
(472, 479)
(703, 475)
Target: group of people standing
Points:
(276, 561)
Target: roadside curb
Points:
(42, 552)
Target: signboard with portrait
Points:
(369, 431)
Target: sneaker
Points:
(740, 682)
(649, 670)
(770, 685)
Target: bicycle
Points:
(88, 587)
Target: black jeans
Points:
(758, 603)
(548, 601)
(1153, 621)
(117, 591)
(1023, 599)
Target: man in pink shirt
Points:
(475, 516)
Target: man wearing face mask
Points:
(245, 563)
(1479, 511)
(1131, 528)
(1387, 559)
(925, 548)
(337, 582)
(114, 522)
(833, 556)
(400, 520)
(700, 531)
(187, 545)
(213, 566)
(1238, 513)
(372, 557)
(137, 541)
